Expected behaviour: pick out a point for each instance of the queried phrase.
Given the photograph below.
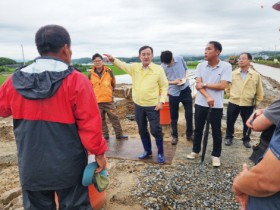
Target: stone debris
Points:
(186, 186)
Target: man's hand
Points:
(251, 118)
(198, 85)
(159, 106)
(241, 197)
(109, 58)
(210, 101)
(176, 81)
(102, 163)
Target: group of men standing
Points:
(213, 77)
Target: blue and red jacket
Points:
(56, 122)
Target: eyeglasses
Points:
(97, 61)
(242, 59)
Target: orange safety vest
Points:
(103, 87)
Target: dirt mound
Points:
(6, 129)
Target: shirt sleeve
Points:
(86, 113)
(227, 73)
(275, 142)
(184, 64)
(198, 71)
(259, 91)
(128, 68)
(273, 112)
(163, 86)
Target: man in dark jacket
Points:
(56, 124)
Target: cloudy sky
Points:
(121, 27)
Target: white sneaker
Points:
(216, 161)
(192, 155)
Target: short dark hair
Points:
(217, 45)
(166, 57)
(97, 55)
(249, 56)
(51, 38)
(145, 47)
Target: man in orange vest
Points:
(104, 82)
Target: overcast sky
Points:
(121, 27)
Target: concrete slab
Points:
(130, 150)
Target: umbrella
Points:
(276, 6)
(206, 133)
(248, 132)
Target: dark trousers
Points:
(69, 199)
(233, 111)
(200, 117)
(185, 98)
(143, 114)
(110, 109)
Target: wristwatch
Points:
(204, 85)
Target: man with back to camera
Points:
(212, 77)
(104, 83)
(178, 91)
(56, 119)
(148, 82)
(245, 92)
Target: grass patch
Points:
(2, 79)
(116, 70)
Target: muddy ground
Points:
(126, 175)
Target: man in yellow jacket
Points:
(104, 82)
(245, 92)
(149, 91)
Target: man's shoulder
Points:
(202, 64)
(236, 71)
(225, 64)
(155, 66)
(76, 74)
(252, 70)
(178, 57)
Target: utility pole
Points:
(275, 52)
(22, 54)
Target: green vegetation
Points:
(82, 68)
(192, 64)
(6, 61)
(116, 70)
(268, 63)
(81, 61)
(2, 79)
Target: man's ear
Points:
(64, 50)
(66, 53)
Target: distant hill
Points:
(136, 59)
(81, 61)
(186, 57)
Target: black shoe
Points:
(122, 137)
(107, 137)
(247, 144)
(145, 155)
(190, 138)
(228, 141)
(161, 159)
(174, 141)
